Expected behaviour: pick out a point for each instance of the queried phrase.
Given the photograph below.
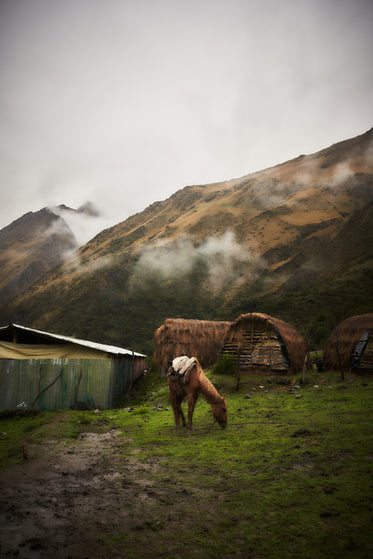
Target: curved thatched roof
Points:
(343, 341)
(258, 337)
(196, 338)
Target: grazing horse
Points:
(190, 384)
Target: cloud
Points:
(84, 226)
(226, 260)
(125, 102)
(342, 172)
(74, 264)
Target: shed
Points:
(261, 343)
(49, 371)
(198, 338)
(350, 345)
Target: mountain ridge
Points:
(37, 243)
(30, 247)
(213, 251)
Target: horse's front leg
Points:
(191, 403)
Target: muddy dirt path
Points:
(64, 503)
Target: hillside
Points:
(38, 242)
(294, 240)
(30, 247)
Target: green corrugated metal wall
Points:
(96, 381)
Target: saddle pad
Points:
(181, 368)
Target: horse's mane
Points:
(207, 388)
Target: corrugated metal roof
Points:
(112, 350)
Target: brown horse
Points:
(196, 383)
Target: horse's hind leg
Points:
(191, 403)
(182, 416)
(180, 412)
(176, 400)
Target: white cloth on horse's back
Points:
(182, 367)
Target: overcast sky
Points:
(124, 102)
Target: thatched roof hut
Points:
(196, 338)
(350, 345)
(261, 343)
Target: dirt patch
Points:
(61, 503)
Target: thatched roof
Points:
(196, 338)
(343, 340)
(261, 340)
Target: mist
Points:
(83, 226)
(223, 256)
(74, 264)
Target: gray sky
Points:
(124, 102)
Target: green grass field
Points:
(291, 475)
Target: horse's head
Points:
(219, 411)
